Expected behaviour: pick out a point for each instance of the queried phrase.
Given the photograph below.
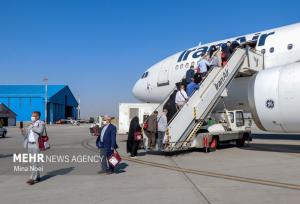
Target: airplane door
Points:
(163, 75)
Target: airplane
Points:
(272, 95)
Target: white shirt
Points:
(203, 65)
(214, 61)
(181, 97)
(162, 123)
(103, 132)
(31, 136)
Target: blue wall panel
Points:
(25, 99)
(23, 107)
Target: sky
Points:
(100, 48)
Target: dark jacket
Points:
(189, 75)
(170, 105)
(227, 51)
(198, 78)
(133, 127)
(109, 138)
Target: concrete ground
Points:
(229, 175)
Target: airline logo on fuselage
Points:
(221, 81)
(199, 52)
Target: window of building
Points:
(271, 49)
(290, 46)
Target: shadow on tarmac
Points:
(121, 168)
(57, 172)
(284, 148)
(5, 155)
(276, 136)
(6, 137)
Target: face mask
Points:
(104, 122)
(33, 119)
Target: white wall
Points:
(124, 121)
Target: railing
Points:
(193, 123)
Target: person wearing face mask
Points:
(31, 135)
(106, 143)
(162, 125)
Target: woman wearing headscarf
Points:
(134, 137)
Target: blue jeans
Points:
(160, 138)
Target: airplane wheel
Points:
(241, 142)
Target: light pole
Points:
(46, 97)
(78, 108)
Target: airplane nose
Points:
(137, 90)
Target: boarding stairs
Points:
(183, 128)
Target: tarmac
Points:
(265, 171)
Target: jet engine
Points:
(274, 98)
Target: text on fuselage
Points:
(200, 51)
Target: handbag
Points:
(137, 136)
(145, 125)
(114, 159)
(43, 141)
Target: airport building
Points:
(7, 116)
(23, 99)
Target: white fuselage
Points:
(281, 46)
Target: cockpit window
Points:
(145, 75)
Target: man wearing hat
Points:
(106, 143)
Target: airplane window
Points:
(263, 51)
(181, 66)
(290, 46)
(187, 65)
(177, 66)
(271, 49)
(145, 75)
